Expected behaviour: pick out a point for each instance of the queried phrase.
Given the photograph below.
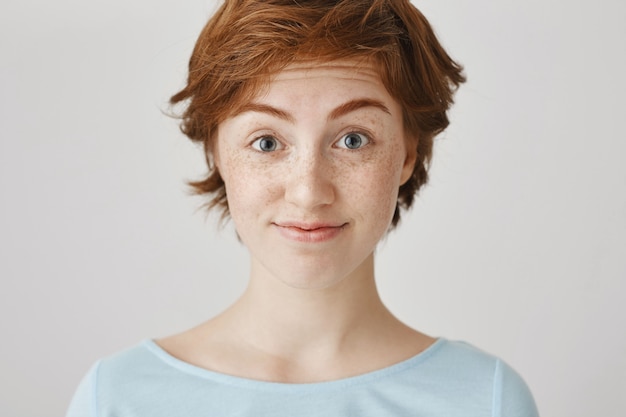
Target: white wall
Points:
(518, 245)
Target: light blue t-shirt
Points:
(449, 379)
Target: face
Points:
(312, 168)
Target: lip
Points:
(309, 232)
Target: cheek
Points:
(376, 185)
(384, 195)
(248, 185)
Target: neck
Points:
(279, 332)
(292, 322)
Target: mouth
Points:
(310, 232)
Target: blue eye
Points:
(266, 144)
(353, 141)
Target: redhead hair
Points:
(247, 41)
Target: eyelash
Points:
(256, 143)
(260, 138)
(367, 139)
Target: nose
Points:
(309, 184)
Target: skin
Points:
(311, 210)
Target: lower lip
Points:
(322, 234)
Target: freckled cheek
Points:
(375, 186)
(249, 187)
(383, 190)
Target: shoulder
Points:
(512, 397)
(136, 371)
(458, 360)
(129, 362)
(83, 401)
(125, 377)
(480, 376)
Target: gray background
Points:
(518, 244)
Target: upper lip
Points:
(308, 225)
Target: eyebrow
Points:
(357, 104)
(342, 110)
(264, 108)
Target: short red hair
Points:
(247, 41)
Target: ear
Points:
(216, 159)
(213, 149)
(410, 146)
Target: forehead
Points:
(336, 80)
(315, 82)
(360, 70)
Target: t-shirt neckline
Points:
(256, 384)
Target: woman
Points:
(317, 120)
